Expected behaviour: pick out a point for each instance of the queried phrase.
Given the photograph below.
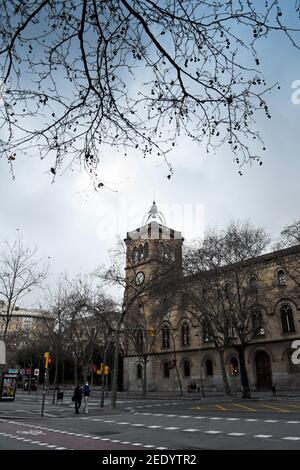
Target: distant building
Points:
(275, 320)
(23, 320)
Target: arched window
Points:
(166, 369)
(140, 253)
(185, 334)
(139, 340)
(186, 368)
(173, 254)
(281, 277)
(287, 319)
(253, 282)
(227, 288)
(207, 332)
(165, 336)
(134, 254)
(258, 324)
(167, 252)
(141, 309)
(146, 250)
(234, 366)
(161, 250)
(231, 330)
(139, 371)
(209, 368)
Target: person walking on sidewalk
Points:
(86, 394)
(77, 398)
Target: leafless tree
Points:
(74, 76)
(20, 273)
(289, 236)
(55, 325)
(153, 287)
(226, 270)
(89, 311)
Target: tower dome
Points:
(154, 214)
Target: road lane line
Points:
(222, 408)
(275, 408)
(244, 407)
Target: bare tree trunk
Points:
(55, 379)
(223, 371)
(243, 372)
(116, 369)
(145, 378)
(179, 380)
(63, 373)
(75, 373)
(92, 376)
(85, 370)
(102, 377)
(5, 331)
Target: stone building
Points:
(24, 320)
(177, 338)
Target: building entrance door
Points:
(263, 370)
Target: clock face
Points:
(139, 278)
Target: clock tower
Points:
(152, 248)
(153, 257)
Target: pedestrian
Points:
(86, 394)
(77, 398)
(274, 389)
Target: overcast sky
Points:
(76, 227)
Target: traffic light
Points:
(46, 358)
(106, 370)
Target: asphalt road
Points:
(150, 424)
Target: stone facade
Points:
(179, 335)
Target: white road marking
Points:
(237, 434)
(213, 432)
(263, 436)
(291, 438)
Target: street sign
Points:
(36, 372)
(13, 371)
(22, 371)
(28, 371)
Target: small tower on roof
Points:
(152, 246)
